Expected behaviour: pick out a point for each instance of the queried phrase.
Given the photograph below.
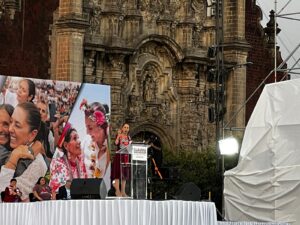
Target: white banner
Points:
(139, 152)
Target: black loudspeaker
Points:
(211, 114)
(88, 189)
(188, 192)
(2, 195)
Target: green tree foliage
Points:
(204, 168)
(197, 167)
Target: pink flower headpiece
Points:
(98, 117)
(63, 135)
(95, 115)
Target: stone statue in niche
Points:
(149, 89)
(95, 14)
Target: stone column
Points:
(235, 52)
(114, 76)
(68, 44)
(189, 121)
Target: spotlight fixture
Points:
(229, 146)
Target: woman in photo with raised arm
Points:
(122, 141)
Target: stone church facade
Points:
(153, 53)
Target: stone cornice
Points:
(133, 16)
(237, 45)
(106, 49)
(111, 13)
(196, 59)
(186, 23)
(72, 21)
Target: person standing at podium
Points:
(122, 141)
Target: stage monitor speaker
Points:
(89, 188)
(188, 192)
(2, 195)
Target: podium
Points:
(134, 163)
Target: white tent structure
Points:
(265, 185)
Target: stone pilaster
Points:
(235, 52)
(70, 27)
(114, 76)
(189, 120)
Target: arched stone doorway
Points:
(144, 131)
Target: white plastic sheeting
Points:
(265, 185)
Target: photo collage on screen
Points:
(64, 125)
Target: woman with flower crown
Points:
(95, 146)
(67, 162)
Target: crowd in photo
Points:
(37, 144)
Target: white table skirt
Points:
(111, 212)
(250, 223)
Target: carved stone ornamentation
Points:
(152, 9)
(95, 16)
(197, 36)
(116, 61)
(135, 108)
(165, 113)
(90, 66)
(174, 6)
(8, 8)
(199, 8)
(2, 8)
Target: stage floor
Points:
(110, 212)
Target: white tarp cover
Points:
(265, 185)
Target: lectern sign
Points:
(139, 152)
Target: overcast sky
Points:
(289, 36)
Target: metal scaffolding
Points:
(289, 16)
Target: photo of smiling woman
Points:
(67, 162)
(23, 130)
(96, 153)
(90, 116)
(24, 91)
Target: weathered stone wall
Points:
(24, 39)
